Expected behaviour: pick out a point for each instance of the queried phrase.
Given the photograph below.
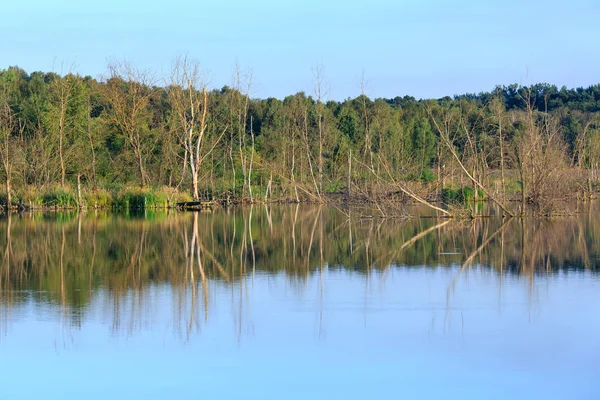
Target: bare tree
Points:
(320, 93)
(128, 92)
(366, 120)
(541, 158)
(497, 109)
(239, 104)
(7, 126)
(90, 137)
(189, 102)
(61, 96)
(444, 124)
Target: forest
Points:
(132, 140)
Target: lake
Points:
(298, 302)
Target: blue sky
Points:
(423, 48)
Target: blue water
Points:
(298, 303)
(402, 333)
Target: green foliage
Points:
(425, 176)
(3, 198)
(335, 187)
(118, 198)
(98, 198)
(60, 198)
(139, 198)
(123, 132)
(450, 195)
(132, 198)
(512, 187)
(49, 197)
(462, 195)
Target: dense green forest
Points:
(132, 139)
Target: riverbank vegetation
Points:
(134, 140)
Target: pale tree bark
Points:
(443, 128)
(91, 139)
(498, 110)
(128, 92)
(307, 144)
(293, 168)
(189, 101)
(402, 187)
(7, 126)
(251, 162)
(349, 184)
(62, 95)
(582, 152)
(368, 151)
(319, 90)
(239, 104)
(541, 156)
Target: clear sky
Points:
(423, 48)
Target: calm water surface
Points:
(298, 302)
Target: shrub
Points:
(458, 195)
(425, 176)
(98, 198)
(149, 198)
(60, 198)
(29, 195)
(336, 187)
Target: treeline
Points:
(79, 141)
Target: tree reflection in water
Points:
(121, 265)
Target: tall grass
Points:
(118, 198)
(462, 195)
(148, 198)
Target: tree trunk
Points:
(79, 201)
(89, 133)
(60, 149)
(140, 161)
(320, 155)
(8, 197)
(195, 184)
(250, 166)
(502, 159)
(349, 174)
(522, 175)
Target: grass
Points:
(58, 197)
(148, 198)
(98, 198)
(461, 195)
(118, 198)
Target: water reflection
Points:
(121, 269)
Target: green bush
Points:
(120, 198)
(59, 198)
(425, 176)
(30, 196)
(98, 198)
(149, 198)
(450, 195)
(464, 195)
(336, 187)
